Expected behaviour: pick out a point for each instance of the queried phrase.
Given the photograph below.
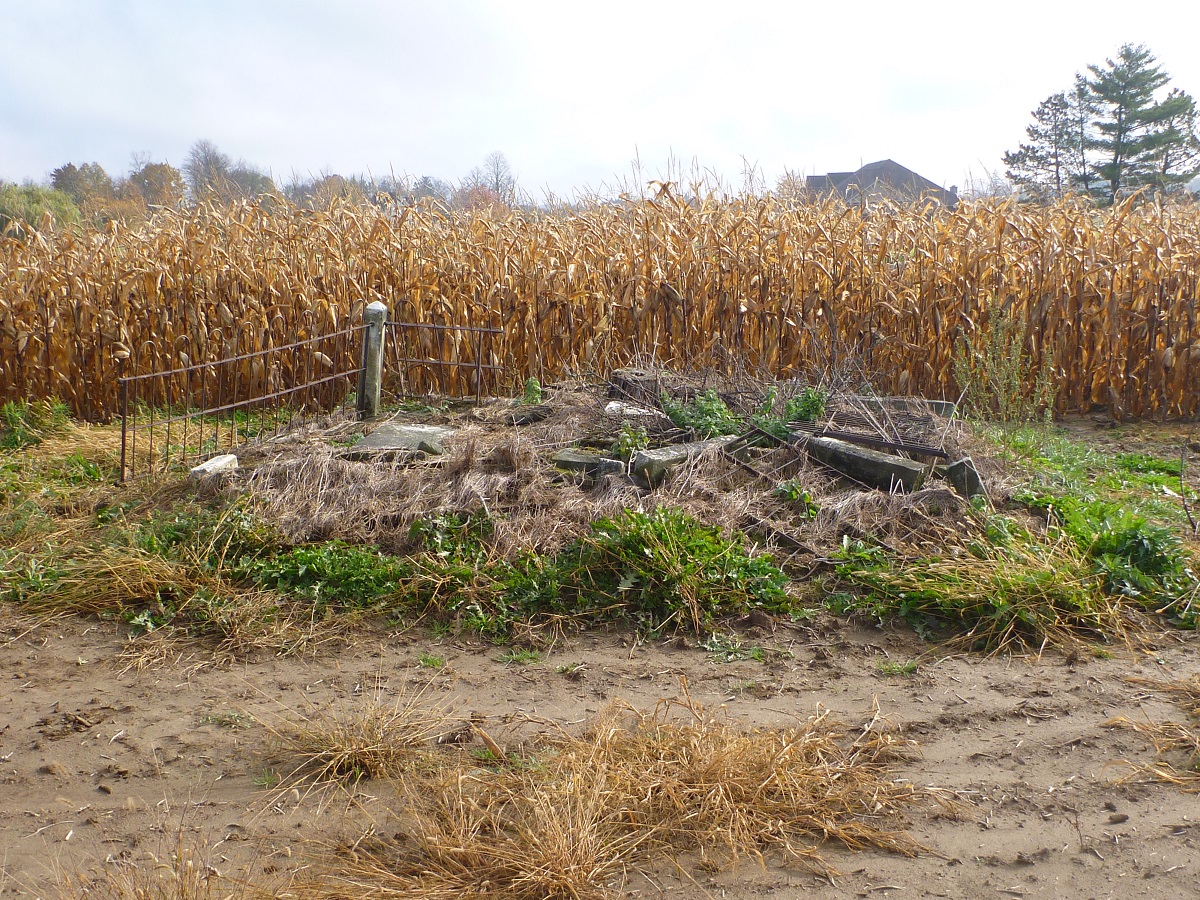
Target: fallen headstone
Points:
(586, 463)
(650, 467)
(866, 466)
(392, 439)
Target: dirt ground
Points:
(115, 762)
(103, 762)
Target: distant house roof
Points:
(885, 178)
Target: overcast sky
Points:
(570, 92)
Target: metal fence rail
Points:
(194, 412)
(450, 360)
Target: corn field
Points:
(756, 284)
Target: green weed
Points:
(431, 661)
(330, 574)
(631, 439)
(23, 424)
(890, 667)
(706, 415)
(797, 496)
(522, 656)
(533, 392)
(727, 648)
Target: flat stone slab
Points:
(586, 463)
(392, 438)
(867, 466)
(628, 410)
(226, 462)
(651, 466)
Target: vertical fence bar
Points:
(124, 423)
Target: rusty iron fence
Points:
(422, 358)
(195, 412)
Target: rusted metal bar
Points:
(242, 356)
(124, 422)
(479, 329)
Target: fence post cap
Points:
(377, 306)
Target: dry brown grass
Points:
(1169, 737)
(575, 814)
(759, 284)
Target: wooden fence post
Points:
(370, 377)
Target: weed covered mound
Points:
(571, 818)
(659, 570)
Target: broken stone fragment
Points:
(866, 466)
(583, 462)
(650, 467)
(628, 410)
(963, 475)
(218, 465)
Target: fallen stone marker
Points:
(650, 467)
(869, 467)
(218, 465)
(391, 439)
(586, 463)
(628, 410)
(528, 415)
(963, 475)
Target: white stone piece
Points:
(227, 462)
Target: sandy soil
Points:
(101, 762)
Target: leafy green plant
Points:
(431, 661)
(807, 406)
(659, 569)
(890, 667)
(1143, 464)
(631, 439)
(796, 495)
(333, 573)
(706, 415)
(1024, 592)
(523, 656)
(533, 392)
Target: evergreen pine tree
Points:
(1127, 133)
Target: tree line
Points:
(1119, 129)
(87, 193)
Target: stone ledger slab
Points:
(867, 466)
(651, 466)
(393, 438)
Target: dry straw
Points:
(758, 284)
(576, 814)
